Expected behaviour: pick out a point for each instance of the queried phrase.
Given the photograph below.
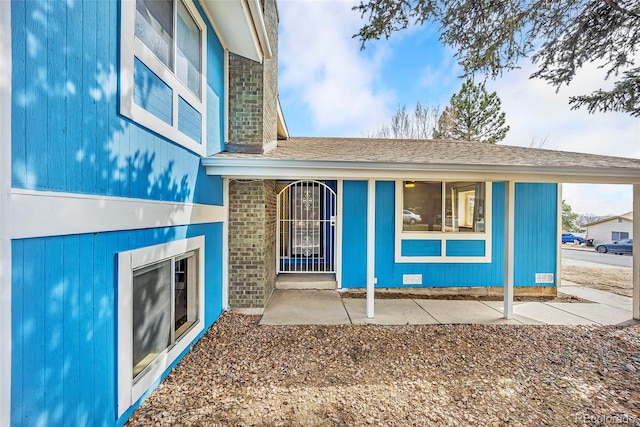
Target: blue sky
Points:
(329, 87)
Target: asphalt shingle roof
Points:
(423, 152)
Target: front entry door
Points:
(306, 227)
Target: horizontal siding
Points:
(189, 120)
(151, 93)
(67, 134)
(603, 232)
(64, 319)
(354, 234)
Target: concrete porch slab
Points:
(446, 311)
(388, 312)
(545, 313)
(596, 295)
(598, 313)
(304, 307)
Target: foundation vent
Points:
(544, 278)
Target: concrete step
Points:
(306, 281)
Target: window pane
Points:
(151, 313)
(188, 65)
(186, 294)
(464, 206)
(154, 27)
(422, 206)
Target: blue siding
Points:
(421, 248)
(465, 247)
(151, 93)
(189, 120)
(536, 232)
(435, 274)
(536, 206)
(354, 234)
(64, 319)
(67, 134)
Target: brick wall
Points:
(253, 91)
(253, 102)
(252, 235)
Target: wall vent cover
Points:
(544, 278)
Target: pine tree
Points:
(473, 114)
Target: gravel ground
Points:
(240, 373)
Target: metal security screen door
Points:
(306, 227)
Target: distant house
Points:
(611, 228)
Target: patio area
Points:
(327, 307)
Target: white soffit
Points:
(240, 26)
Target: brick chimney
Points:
(253, 93)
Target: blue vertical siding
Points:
(68, 136)
(536, 215)
(64, 320)
(354, 234)
(65, 110)
(536, 232)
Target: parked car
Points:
(572, 238)
(410, 217)
(624, 246)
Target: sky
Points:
(329, 86)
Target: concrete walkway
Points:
(326, 307)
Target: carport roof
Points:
(403, 158)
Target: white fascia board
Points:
(281, 168)
(236, 27)
(260, 27)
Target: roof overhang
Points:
(240, 24)
(269, 168)
(375, 158)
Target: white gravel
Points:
(243, 374)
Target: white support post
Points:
(371, 235)
(225, 244)
(636, 251)
(509, 248)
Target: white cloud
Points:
(598, 199)
(333, 81)
(536, 113)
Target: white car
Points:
(410, 217)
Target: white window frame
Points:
(129, 391)
(402, 235)
(131, 47)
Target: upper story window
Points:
(444, 206)
(163, 57)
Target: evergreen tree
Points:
(569, 218)
(473, 114)
(559, 36)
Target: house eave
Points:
(241, 26)
(268, 168)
